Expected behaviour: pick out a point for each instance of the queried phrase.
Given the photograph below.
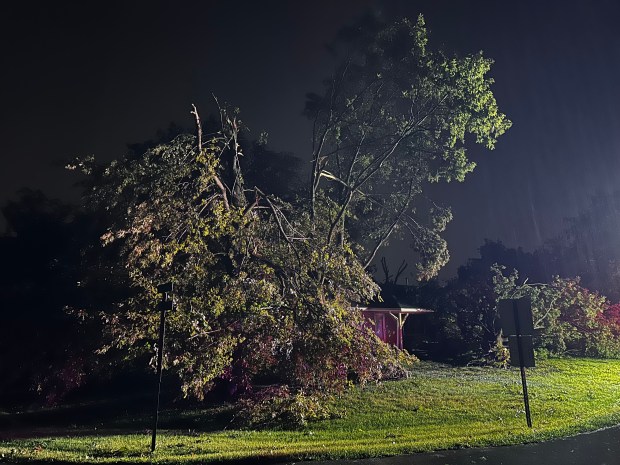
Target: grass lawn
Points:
(439, 407)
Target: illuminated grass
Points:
(437, 408)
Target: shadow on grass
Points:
(258, 460)
(122, 415)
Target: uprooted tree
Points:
(258, 298)
(266, 289)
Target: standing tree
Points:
(394, 117)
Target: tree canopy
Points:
(257, 298)
(394, 117)
(266, 289)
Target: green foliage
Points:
(279, 408)
(265, 288)
(499, 355)
(169, 225)
(260, 297)
(395, 117)
(567, 317)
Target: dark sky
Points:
(89, 78)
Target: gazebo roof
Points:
(394, 300)
(396, 309)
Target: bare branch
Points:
(198, 126)
(386, 270)
(390, 230)
(401, 268)
(223, 191)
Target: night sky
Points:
(91, 77)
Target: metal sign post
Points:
(165, 304)
(517, 323)
(526, 398)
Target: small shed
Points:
(387, 317)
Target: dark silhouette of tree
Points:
(162, 136)
(45, 351)
(589, 246)
(465, 325)
(530, 264)
(275, 173)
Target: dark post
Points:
(160, 354)
(165, 304)
(526, 399)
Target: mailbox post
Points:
(517, 323)
(166, 303)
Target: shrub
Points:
(569, 318)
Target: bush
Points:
(569, 318)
